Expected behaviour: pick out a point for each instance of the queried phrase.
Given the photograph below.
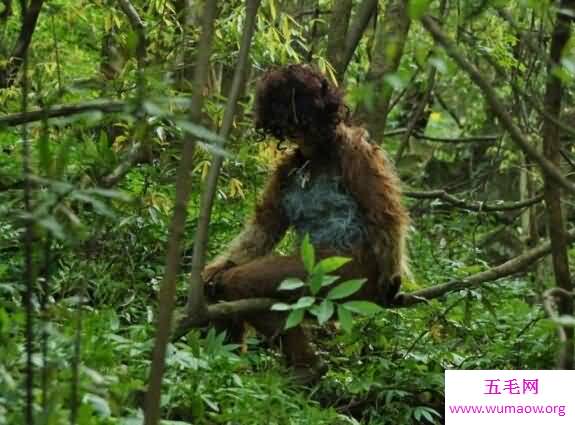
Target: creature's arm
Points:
(371, 178)
(260, 234)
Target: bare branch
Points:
(471, 205)
(58, 111)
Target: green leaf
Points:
(325, 311)
(304, 302)
(51, 225)
(281, 307)
(307, 254)
(418, 8)
(365, 308)
(290, 284)
(328, 280)
(294, 319)
(345, 289)
(330, 264)
(345, 319)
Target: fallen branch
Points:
(510, 267)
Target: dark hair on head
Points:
(298, 99)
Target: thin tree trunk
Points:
(29, 276)
(173, 258)
(196, 302)
(13, 64)
(390, 38)
(552, 151)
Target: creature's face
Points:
(306, 145)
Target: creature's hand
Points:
(211, 272)
(389, 290)
(210, 276)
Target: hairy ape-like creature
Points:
(335, 186)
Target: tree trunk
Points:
(337, 33)
(552, 151)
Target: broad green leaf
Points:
(304, 302)
(418, 8)
(281, 307)
(345, 289)
(345, 319)
(294, 319)
(365, 308)
(307, 254)
(325, 311)
(290, 284)
(330, 264)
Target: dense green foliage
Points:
(99, 254)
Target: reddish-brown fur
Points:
(341, 149)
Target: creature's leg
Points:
(261, 278)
